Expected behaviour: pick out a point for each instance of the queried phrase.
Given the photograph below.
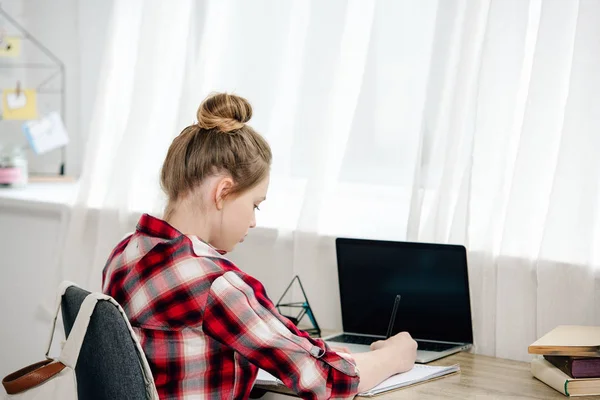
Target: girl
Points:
(206, 326)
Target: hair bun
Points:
(224, 112)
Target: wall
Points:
(30, 238)
(74, 30)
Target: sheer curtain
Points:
(447, 121)
(508, 164)
(136, 114)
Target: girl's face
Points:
(238, 215)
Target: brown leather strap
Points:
(31, 376)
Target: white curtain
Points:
(451, 121)
(137, 111)
(508, 163)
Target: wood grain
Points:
(481, 378)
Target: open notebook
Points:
(420, 373)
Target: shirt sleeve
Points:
(239, 314)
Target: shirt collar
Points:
(155, 227)
(203, 249)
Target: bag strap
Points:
(31, 376)
(62, 288)
(38, 373)
(72, 347)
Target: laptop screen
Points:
(431, 278)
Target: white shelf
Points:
(47, 195)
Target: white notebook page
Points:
(420, 373)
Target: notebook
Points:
(569, 340)
(557, 379)
(420, 373)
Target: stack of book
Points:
(568, 359)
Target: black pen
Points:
(393, 318)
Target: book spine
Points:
(565, 364)
(585, 368)
(553, 377)
(577, 368)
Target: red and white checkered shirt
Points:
(206, 326)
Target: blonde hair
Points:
(220, 142)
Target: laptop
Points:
(433, 284)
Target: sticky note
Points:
(14, 100)
(19, 107)
(10, 46)
(46, 134)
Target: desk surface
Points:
(481, 378)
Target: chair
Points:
(108, 367)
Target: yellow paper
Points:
(26, 110)
(10, 47)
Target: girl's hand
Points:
(403, 348)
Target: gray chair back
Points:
(108, 367)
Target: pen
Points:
(393, 318)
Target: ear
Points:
(223, 188)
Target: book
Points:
(577, 367)
(569, 340)
(419, 374)
(557, 379)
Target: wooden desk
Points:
(481, 378)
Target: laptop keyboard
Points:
(434, 346)
(366, 340)
(353, 339)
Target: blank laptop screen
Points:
(431, 278)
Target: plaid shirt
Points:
(206, 326)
